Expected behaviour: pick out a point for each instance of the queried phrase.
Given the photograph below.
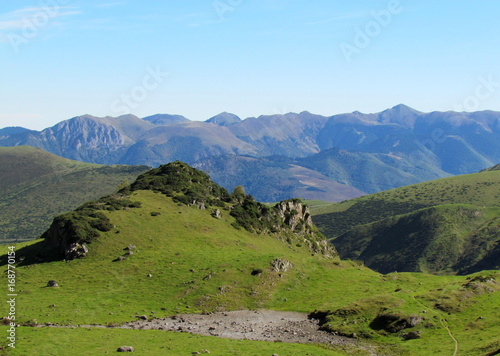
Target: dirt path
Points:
(263, 325)
(444, 324)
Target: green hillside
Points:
(494, 168)
(444, 239)
(154, 252)
(35, 186)
(449, 225)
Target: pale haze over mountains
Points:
(282, 156)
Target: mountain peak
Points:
(165, 119)
(400, 114)
(224, 119)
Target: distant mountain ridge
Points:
(370, 152)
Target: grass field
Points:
(199, 264)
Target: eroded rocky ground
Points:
(266, 325)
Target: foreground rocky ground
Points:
(266, 325)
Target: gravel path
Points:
(266, 325)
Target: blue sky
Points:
(197, 58)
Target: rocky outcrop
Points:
(281, 265)
(394, 323)
(294, 215)
(75, 250)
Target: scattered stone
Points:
(150, 275)
(125, 349)
(412, 335)
(143, 317)
(216, 214)
(207, 277)
(52, 283)
(129, 253)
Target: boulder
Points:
(52, 283)
(216, 214)
(281, 265)
(125, 349)
(412, 335)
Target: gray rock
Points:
(216, 214)
(75, 250)
(281, 265)
(125, 349)
(52, 283)
(412, 335)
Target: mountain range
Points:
(293, 154)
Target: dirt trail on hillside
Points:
(265, 325)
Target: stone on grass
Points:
(52, 283)
(125, 349)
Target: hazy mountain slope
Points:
(35, 186)
(224, 119)
(292, 135)
(81, 138)
(189, 142)
(13, 130)
(389, 231)
(275, 178)
(167, 273)
(371, 172)
(165, 119)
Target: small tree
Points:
(239, 193)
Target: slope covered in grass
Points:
(481, 189)
(443, 239)
(450, 225)
(35, 186)
(183, 259)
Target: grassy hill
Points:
(494, 168)
(444, 226)
(186, 260)
(35, 186)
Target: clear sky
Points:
(197, 58)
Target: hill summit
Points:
(70, 234)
